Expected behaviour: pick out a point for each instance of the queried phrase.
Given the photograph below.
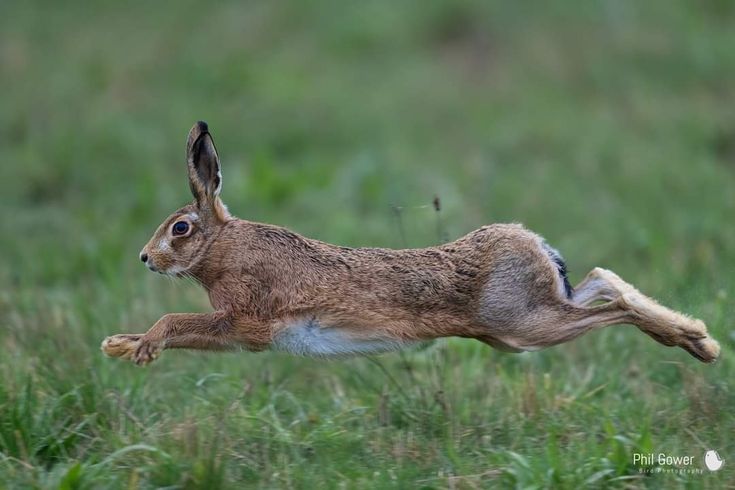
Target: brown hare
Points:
(274, 289)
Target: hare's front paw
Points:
(122, 345)
(147, 351)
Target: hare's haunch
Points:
(274, 289)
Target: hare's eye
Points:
(180, 227)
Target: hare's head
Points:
(183, 238)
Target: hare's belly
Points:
(310, 338)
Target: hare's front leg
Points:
(121, 345)
(203, 331)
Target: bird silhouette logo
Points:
(712, 460)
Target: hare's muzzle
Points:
(146, 260)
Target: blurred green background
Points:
(606, 126)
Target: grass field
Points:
(608, 127)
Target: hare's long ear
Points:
(205, 175)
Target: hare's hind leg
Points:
(553, 325)
(595, 287)
(666, 326)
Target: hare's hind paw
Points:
(705, 348)
(673, 328)
(122, 345)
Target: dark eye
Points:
(180, 227)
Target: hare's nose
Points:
(144, 257)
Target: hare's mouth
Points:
(153, 268)
(174, 271)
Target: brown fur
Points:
(497, 284)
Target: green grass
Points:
(607, 127)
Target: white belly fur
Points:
(308, 337)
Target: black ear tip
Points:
(199, 129)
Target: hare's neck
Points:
(212, 262)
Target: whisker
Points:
(191, 278)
